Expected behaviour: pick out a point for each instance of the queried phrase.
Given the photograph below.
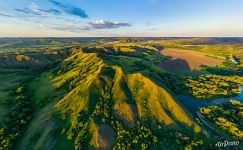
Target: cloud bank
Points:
(87, 26)
(41, 16)
(102, 24)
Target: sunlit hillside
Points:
(111, 94)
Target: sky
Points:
(121, 18)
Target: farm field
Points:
(121, 75)
(186, 60)
(115, 93)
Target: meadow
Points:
(116, 93)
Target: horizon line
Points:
(121, 36)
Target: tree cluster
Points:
(16, 121)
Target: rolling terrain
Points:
(109, 93)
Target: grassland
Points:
(108, 93)
(105, 93)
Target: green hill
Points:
(107, 95)
(92, 102)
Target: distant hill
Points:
(106, 93)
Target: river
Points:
(193, 104)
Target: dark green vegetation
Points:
(115, 95)
(17, 71)
(205, 87)
(226, 69)
(211, 86)
(17, 119)
(104, 93)
(227, 117)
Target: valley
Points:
(119, 93)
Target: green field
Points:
(112, 93)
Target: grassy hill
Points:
(104, 104)
(100, 94)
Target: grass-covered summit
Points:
(103, 94)
(112, 100)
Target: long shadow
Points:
(130, 99)
(175, 65)
(139, 66)
(178, 66)
(145, 68)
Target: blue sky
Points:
(121, 18)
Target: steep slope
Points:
(110, 103)
(105, 96)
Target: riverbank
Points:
(193, 104)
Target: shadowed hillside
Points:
(107, 94)
(107, 105)
(28, 60)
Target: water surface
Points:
(193, 104)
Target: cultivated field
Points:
(110, 93)
(186, 59)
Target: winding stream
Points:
(192, 104)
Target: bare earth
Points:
(186, 59)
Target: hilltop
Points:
(114, 94)
(105, 93)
